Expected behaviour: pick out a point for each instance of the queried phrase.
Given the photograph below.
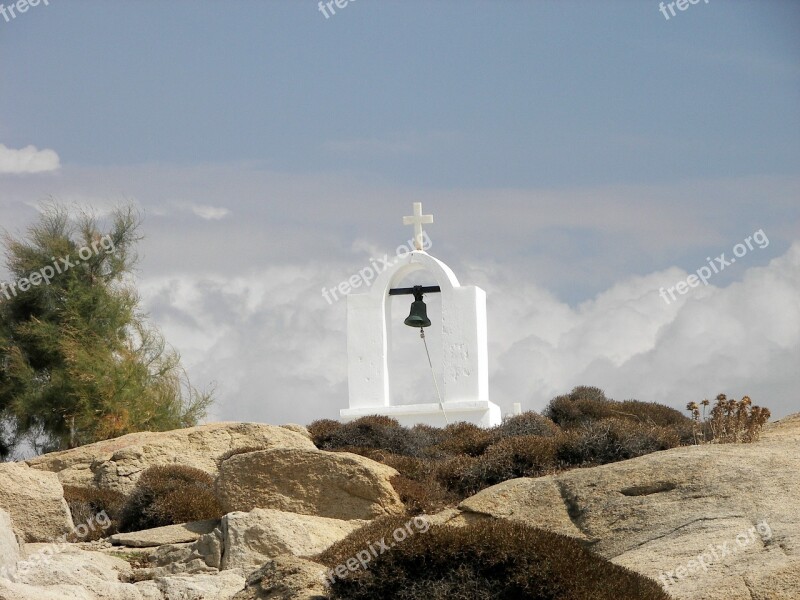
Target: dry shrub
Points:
(321, 431)
(585, 405)
(581, 405)
(427, 439)
(459, 474)
(464, 438)
(611, 440)
(651, 413)
(423, 496)
(416, 483)
(729, 421)
(482, 561)
(528, 423)
(522, 456)
(437, 465)
(414, 468)
(359, 539)
(85, 504)
(374, 431)
(168, 495)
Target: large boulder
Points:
(9, 548)
(717, 521)
(10, 590)
(338, 485)
(116, 464)
(63, 571)
(536, 501)
(251, 539)
(208, 586)
(286, 578)
(35, 502)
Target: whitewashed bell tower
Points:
(464, 391)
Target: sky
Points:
(580, 159)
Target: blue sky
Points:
(577, 156)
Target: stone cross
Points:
(417, 220)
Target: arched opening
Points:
(411, 381)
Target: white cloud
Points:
(210, 213)
(27, 160)
(740, 339)
(278, 351)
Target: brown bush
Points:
(464, 438)
(528, 423)
(168, 495)
(414, 468)
(651, 413)
(482, 561)
(581, 405)
(584, 405)
(85, 504)
(512, 457)
(374, 431)
(611, 440)
(424, 496)
(581, 428)
(321, 431)
(433, 434)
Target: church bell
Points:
(418, 317)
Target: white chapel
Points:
(460, 390)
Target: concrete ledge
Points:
(478, 412)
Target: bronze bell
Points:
(418, 317)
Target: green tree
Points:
(78, 361)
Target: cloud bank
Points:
(27, 160)
(278, 352)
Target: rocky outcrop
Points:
(116, 464)
(60, 572)
(64, 571)
(529, 500)
(35, 502)
(9, 548)
(298, 429)
(169, 534)
(245, 541)
(251, 539)
(285, 578)
(717, 521)
(217, 586)
(712, 522)
(338, 485)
